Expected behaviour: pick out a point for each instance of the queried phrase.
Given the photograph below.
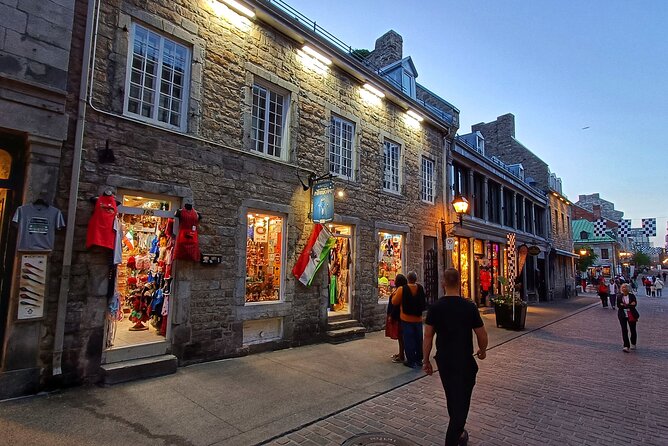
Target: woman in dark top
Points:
(393, 324)
(628, 316)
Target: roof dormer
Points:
(402, 74)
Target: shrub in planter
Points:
(505, 305)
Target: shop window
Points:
(391, 166)
(5, 165)
(264, 257)
(157, 79)
(605, 255)
(427, 191)
(341, 147)
(460, 261)
(269, 120)
(390, 253)
(478, 202)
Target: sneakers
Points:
(633, 346)
(396, 359)
(626, 350)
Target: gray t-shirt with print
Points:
(37, 226)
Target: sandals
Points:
(397, 359)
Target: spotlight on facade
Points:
(373, 90)
(415, 116)
(316, 55)
(239, 8)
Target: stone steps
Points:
(133, 369)
(342, 329)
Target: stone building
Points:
(555, 267)
(594, 203)
(605, 248)
(35, 45)
(235, 115)
(500, 202)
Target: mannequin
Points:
(187, 240)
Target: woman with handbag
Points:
(628, 317)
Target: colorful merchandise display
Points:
(390, 262)
(263, 257)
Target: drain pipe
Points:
(74, 193)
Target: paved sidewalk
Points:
(241, 401)
(566, 384)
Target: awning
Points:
(561, 252)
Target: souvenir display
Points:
(263, 257)
(389, 262)
(37, 223)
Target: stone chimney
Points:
(597, 211)
(389, 49)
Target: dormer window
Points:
(408, 83)
(584, 235)
(402, 74)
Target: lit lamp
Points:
(461, 205)
(583, 252)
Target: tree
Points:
(641, 259)
(586, 260)
(360, 53)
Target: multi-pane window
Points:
(391, 159)
(341, 151)
(605, 255)
(159, 73)
(427, 190)
(269, 117)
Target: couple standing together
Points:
(451, 320)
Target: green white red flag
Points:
(315, 253)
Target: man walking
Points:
(412, 300)
(452, 318)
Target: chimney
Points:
(597, 211)
(389, 49)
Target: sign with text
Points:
(32, 286)
(323, 201)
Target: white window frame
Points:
(407, 83)
(428, 184)
(337, 147)
(394, 188)
(270, 90)
(185, 96)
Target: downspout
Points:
(74, 193)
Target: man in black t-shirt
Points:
(452, 318)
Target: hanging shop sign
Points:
(323, 201)
(32, 286)
(534, 250)
(522, 253)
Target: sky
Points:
(587, 81)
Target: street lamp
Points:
(461, 205)
(583, 252)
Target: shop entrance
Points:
(138, 313)
(340, 270)
(391, 262)
(11, 179)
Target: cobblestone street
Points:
(566, 384)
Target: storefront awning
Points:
(561, 252)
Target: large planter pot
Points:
(504, 316)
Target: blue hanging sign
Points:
(323, 201)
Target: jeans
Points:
(625, 332)
(458, 386)
(412, 333)
(613, 300)
(658, 292)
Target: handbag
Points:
(633, 315)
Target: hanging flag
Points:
(511, 258)
(315, 253)
(649, 227)
(599, 227)
(624, 228)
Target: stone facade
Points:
(35, 41)
(209, 162)
(606, 209)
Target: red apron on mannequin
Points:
(101, 225)
(187, 241)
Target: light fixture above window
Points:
(239, 8)
(373, 90)
(316, 55)
(415, 116)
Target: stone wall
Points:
(607, 208)
(212, 164)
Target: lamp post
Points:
(461, 206)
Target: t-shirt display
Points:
(187, 242)
(37, 224)
(101, 224)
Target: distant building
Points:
(604, 247)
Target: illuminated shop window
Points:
(264, 257)
(390, 253)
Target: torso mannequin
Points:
(187, 241)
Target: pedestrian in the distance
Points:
(658, 284)
(393, 323)
(603, 292)
(451, 319)
(664, 276)
(628, 317)
(648, 286)
(412, 301)
(614, 289)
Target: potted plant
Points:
(510, 310)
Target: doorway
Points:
(11, 181)
(340, 270)
(138, 312)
